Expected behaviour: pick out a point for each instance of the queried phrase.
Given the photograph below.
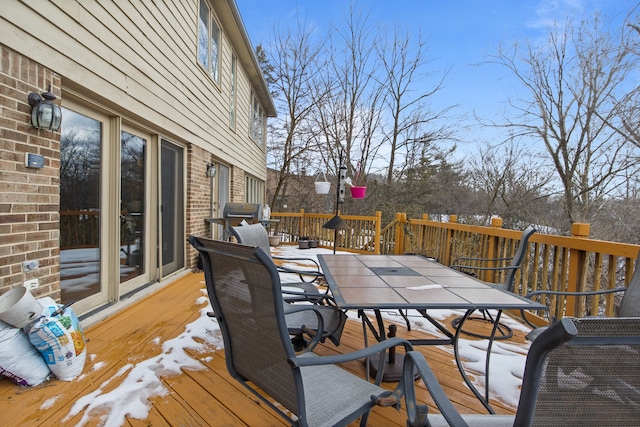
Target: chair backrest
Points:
(583, 372)
(518, 256)
(244, 288)
(630, 304)
(253, 235)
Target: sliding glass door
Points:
(122, 204)
(172, 207)
(81, 206)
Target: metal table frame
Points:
(413, 282)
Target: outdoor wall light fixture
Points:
(211, 170)
(45, 114)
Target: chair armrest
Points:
(316, 336)
(417, 414)
(301, 273)
(319, 297)
(473, 267)
(464, 258)
(354, 355)
(298, 259)
(531, 336)
(296, 271)
(568, 293)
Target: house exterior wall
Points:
(135, 61)
(29, 198)
(198, 197)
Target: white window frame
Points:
(232, 91)
(253, 190)
(257, 121)
(208, 41)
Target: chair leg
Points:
(406, 319)
(299, 343)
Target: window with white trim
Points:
(257, 122)
(232, 92)
(254, 190)
(208, 41)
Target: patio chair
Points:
(579, 372)
(306, 389)
(629, 305)
(472, 266)
(256, 235)
(300, 318)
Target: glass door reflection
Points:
(132, 209)
(80, 206)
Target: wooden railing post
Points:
(399, 246)
(493, 250)
(301, 224)
(447, 253)
(406, 244)
(578, 268)
(376, 244)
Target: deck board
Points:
(196, 397)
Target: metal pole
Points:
(339, 196)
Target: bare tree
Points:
(626, 109)
(406, 102)
(573, 82)
(291, 65)
(512, 184)
(348, 117)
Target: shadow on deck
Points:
(133, 338)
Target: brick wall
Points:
(237, 185)
(29, 198)
(198, 197)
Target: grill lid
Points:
(242, 210)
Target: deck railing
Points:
(79, 229)
(552, 262)
(361, 236)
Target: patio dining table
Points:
(413, 282)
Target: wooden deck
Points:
(205, 397)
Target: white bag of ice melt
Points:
(20, 362)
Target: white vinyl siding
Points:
(141, 57)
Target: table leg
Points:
(394, 361)
(483, 399)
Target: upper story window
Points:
(232, 92)
(257, 122)
(208, 41)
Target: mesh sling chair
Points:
(629, 305)
(306, 389)
(472, 266)
(256, 235)
(301, 318)
(579, 372)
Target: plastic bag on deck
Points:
(59, 339)
(20, 362)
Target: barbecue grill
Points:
(234, 213)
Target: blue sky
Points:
(461, 34)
